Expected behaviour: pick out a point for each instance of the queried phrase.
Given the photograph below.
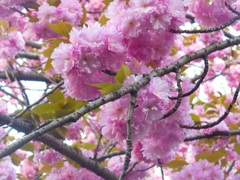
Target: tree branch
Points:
(28, 55)
(212, 135)
(25, 126)
(129, 135)
(121, 92)
(25, 76)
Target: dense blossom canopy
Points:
(135, 89)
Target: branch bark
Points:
(23, 125)
(25, 76)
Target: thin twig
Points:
(200, 80)
(213, 135)
(96, 149)
(129, 135)
(110, 155)
(38, 101)
(230, 22)
(179, 97)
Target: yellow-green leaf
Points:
(48, 65)
(101, 85)
(54, 2)
(87, 146)
(211, 156)
(123, 72)
(28, 147)
(73, 104)
(237, 148)
(42, 108)
(62, 28)
(210, 105)
(48, 167)
(53, 44)
(84, 16)
(110, 88)
(56, 96)
(103, 20)
(15, 159)
(195, 118)
(176, 164)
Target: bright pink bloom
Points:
(29, 170)
(7, 170)
(49, 155)
(200, 170)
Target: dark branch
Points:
(26, 127)
(129, 135)
(25, 76)
(212, 135)
(179, 98)
(230, 22)
(33, 44)
(27, 55)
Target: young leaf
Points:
(110, 88)
(62, 28)
(123, 72)
(56, 96)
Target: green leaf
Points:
(73, 104)
(123, 72)
(56, 96)
(214, 98)
(48, 115)
(48, 167)
(176, 164)
(210, 105)
(211, 156)
(84, 16)
(53, 2)
(106, 2)
(237, 148)
(103, 20)
(53, 44)
(192, 96)
(174, 51)
(110, 88)
(48, 65)
(62, 28)
(101, 85)
(183, 68)
(28, 147)
(195, 118)
(42, 109)
(87, 146)
(15, 159)
(63, 112)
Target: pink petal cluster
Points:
(68, 172)
(74, 130)
(29, 170)
(7, 170)
(115, 165)
(210, 13)
(200, 170)
(153, 138)
(49, 155)
(122, 39)
(10, 44)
